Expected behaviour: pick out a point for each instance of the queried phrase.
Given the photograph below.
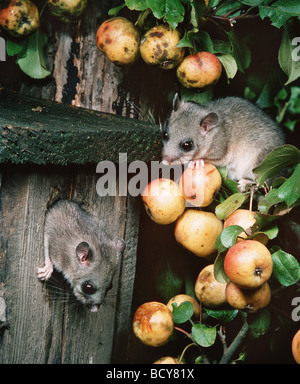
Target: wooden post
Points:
(39, 167)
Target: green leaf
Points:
(32, 61)
(172, 11)
(229, 235)
(241, 52)
(287, 62)
(219, 272)
(259, 323)
(280, 11)
(229, 64)
(269, 201)
(279, 159)
(232, 203)
(183, 312)
(15, 47)
(289, 191)
(224, 316)
(286, 268)
(114, 11)
(203, 335)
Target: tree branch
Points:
(229, 352)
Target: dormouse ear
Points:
(82, 252)
(208, 123)
(176, 102)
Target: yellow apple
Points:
(153, 323)
(208, 290)
(199, 184)
(163, 201)
(197, 231)
(178, 299)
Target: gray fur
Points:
(242, 137)
(68, 226)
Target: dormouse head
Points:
(97, 264)
(188, 133)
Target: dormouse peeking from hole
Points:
(76, 244)
(230, 132)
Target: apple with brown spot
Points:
(199, 70)
(119, 40)
(248, 264)
(19, 18)
(159, 47)
(208, 290)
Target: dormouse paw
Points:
(196, 164)
(45, 272)
(242, 184)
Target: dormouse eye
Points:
(88, 287)
(165, 136)
(187, 145)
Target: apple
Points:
(199, 70)
(159, 47)
(197, 231)
(153, 323)
(242, 217)
(168, 360)
(199, 184)
(119, 40)
(245, 219)
(296, 347)
(248, 264)
(250, 299)
(67, 10)
(163, 201)
(178, 299)
(19, 18)
(208, 290)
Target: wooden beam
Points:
(45, 132)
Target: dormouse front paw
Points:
(45, 272)
(196, 164)
(243, 183)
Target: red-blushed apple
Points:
(296, 347)
(250, 299)
(163, 201)
(248, 264)
(197, 231)
(153, 323)
(208, 290)
(199, 184)
(178, 299)
(199, 70)
(245, 219)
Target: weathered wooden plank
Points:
(46, 325)
(45, 132)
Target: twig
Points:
(232, 20)
(229, 352)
